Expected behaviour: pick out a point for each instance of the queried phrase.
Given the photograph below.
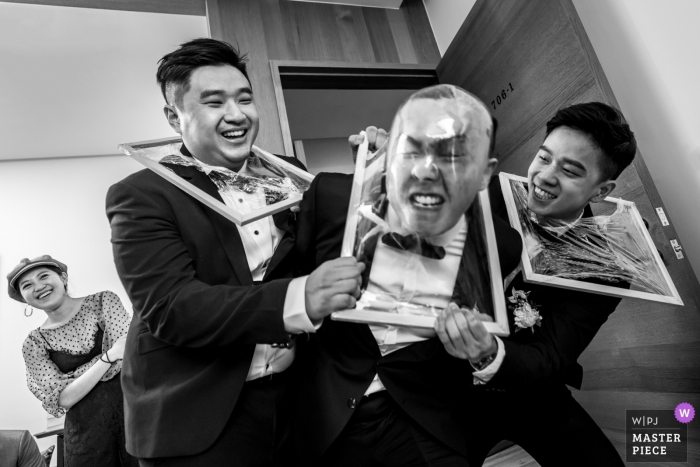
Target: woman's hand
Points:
(79, 388)
(117, 350)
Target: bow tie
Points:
(414, 244)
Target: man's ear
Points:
(490, 168)
(604, 191)
(173, 118)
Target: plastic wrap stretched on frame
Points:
(419, 222)
(279, 184)
(609, 254)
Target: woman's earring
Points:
(31, 310)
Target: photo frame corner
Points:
(133, 151)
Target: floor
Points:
(513, 456)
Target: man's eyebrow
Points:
(221, 92)
(211, 92)
(575, 163)
(547, 150)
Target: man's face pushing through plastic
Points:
(438, 160)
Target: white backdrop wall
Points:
(73, 82)
(648, 50)
(77, 81)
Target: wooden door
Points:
(525, 60)
(304, 31)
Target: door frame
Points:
(299, 74)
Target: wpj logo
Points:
(656, 436)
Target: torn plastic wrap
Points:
(279, 184)
(419, 222)
(609, 254)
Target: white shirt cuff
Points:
(484, 376)
(295, 318)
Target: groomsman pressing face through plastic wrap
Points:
(438, 159)
(418, 227)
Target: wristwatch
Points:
(487, 360)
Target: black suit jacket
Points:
(197, 313)
(570, 321)
(341, 359)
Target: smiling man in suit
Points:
(209, 352)
(376, 395)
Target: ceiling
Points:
(182, 7)
(393, 4)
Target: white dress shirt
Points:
(432, 282)
(260, 239)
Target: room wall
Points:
(339, 113)
(648, 52)
(74, 81)
(328, 155)
(78, 81)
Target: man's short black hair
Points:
(607, 128)
(175, 68)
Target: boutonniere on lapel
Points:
(526, 313)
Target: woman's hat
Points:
(26, 265)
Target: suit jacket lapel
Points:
(285, 223)
(226, 230)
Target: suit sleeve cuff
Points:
(296, 320)
(485, 375)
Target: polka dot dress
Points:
(103, 311)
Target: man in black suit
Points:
(376, 395)
(586, 148)
(209, 354)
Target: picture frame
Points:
(650, 255)
(165, 146)
(366, 175)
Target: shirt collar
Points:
(561, 227)
(209, 168)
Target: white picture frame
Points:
(529, 275)
(498, 327)
(135, 151)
